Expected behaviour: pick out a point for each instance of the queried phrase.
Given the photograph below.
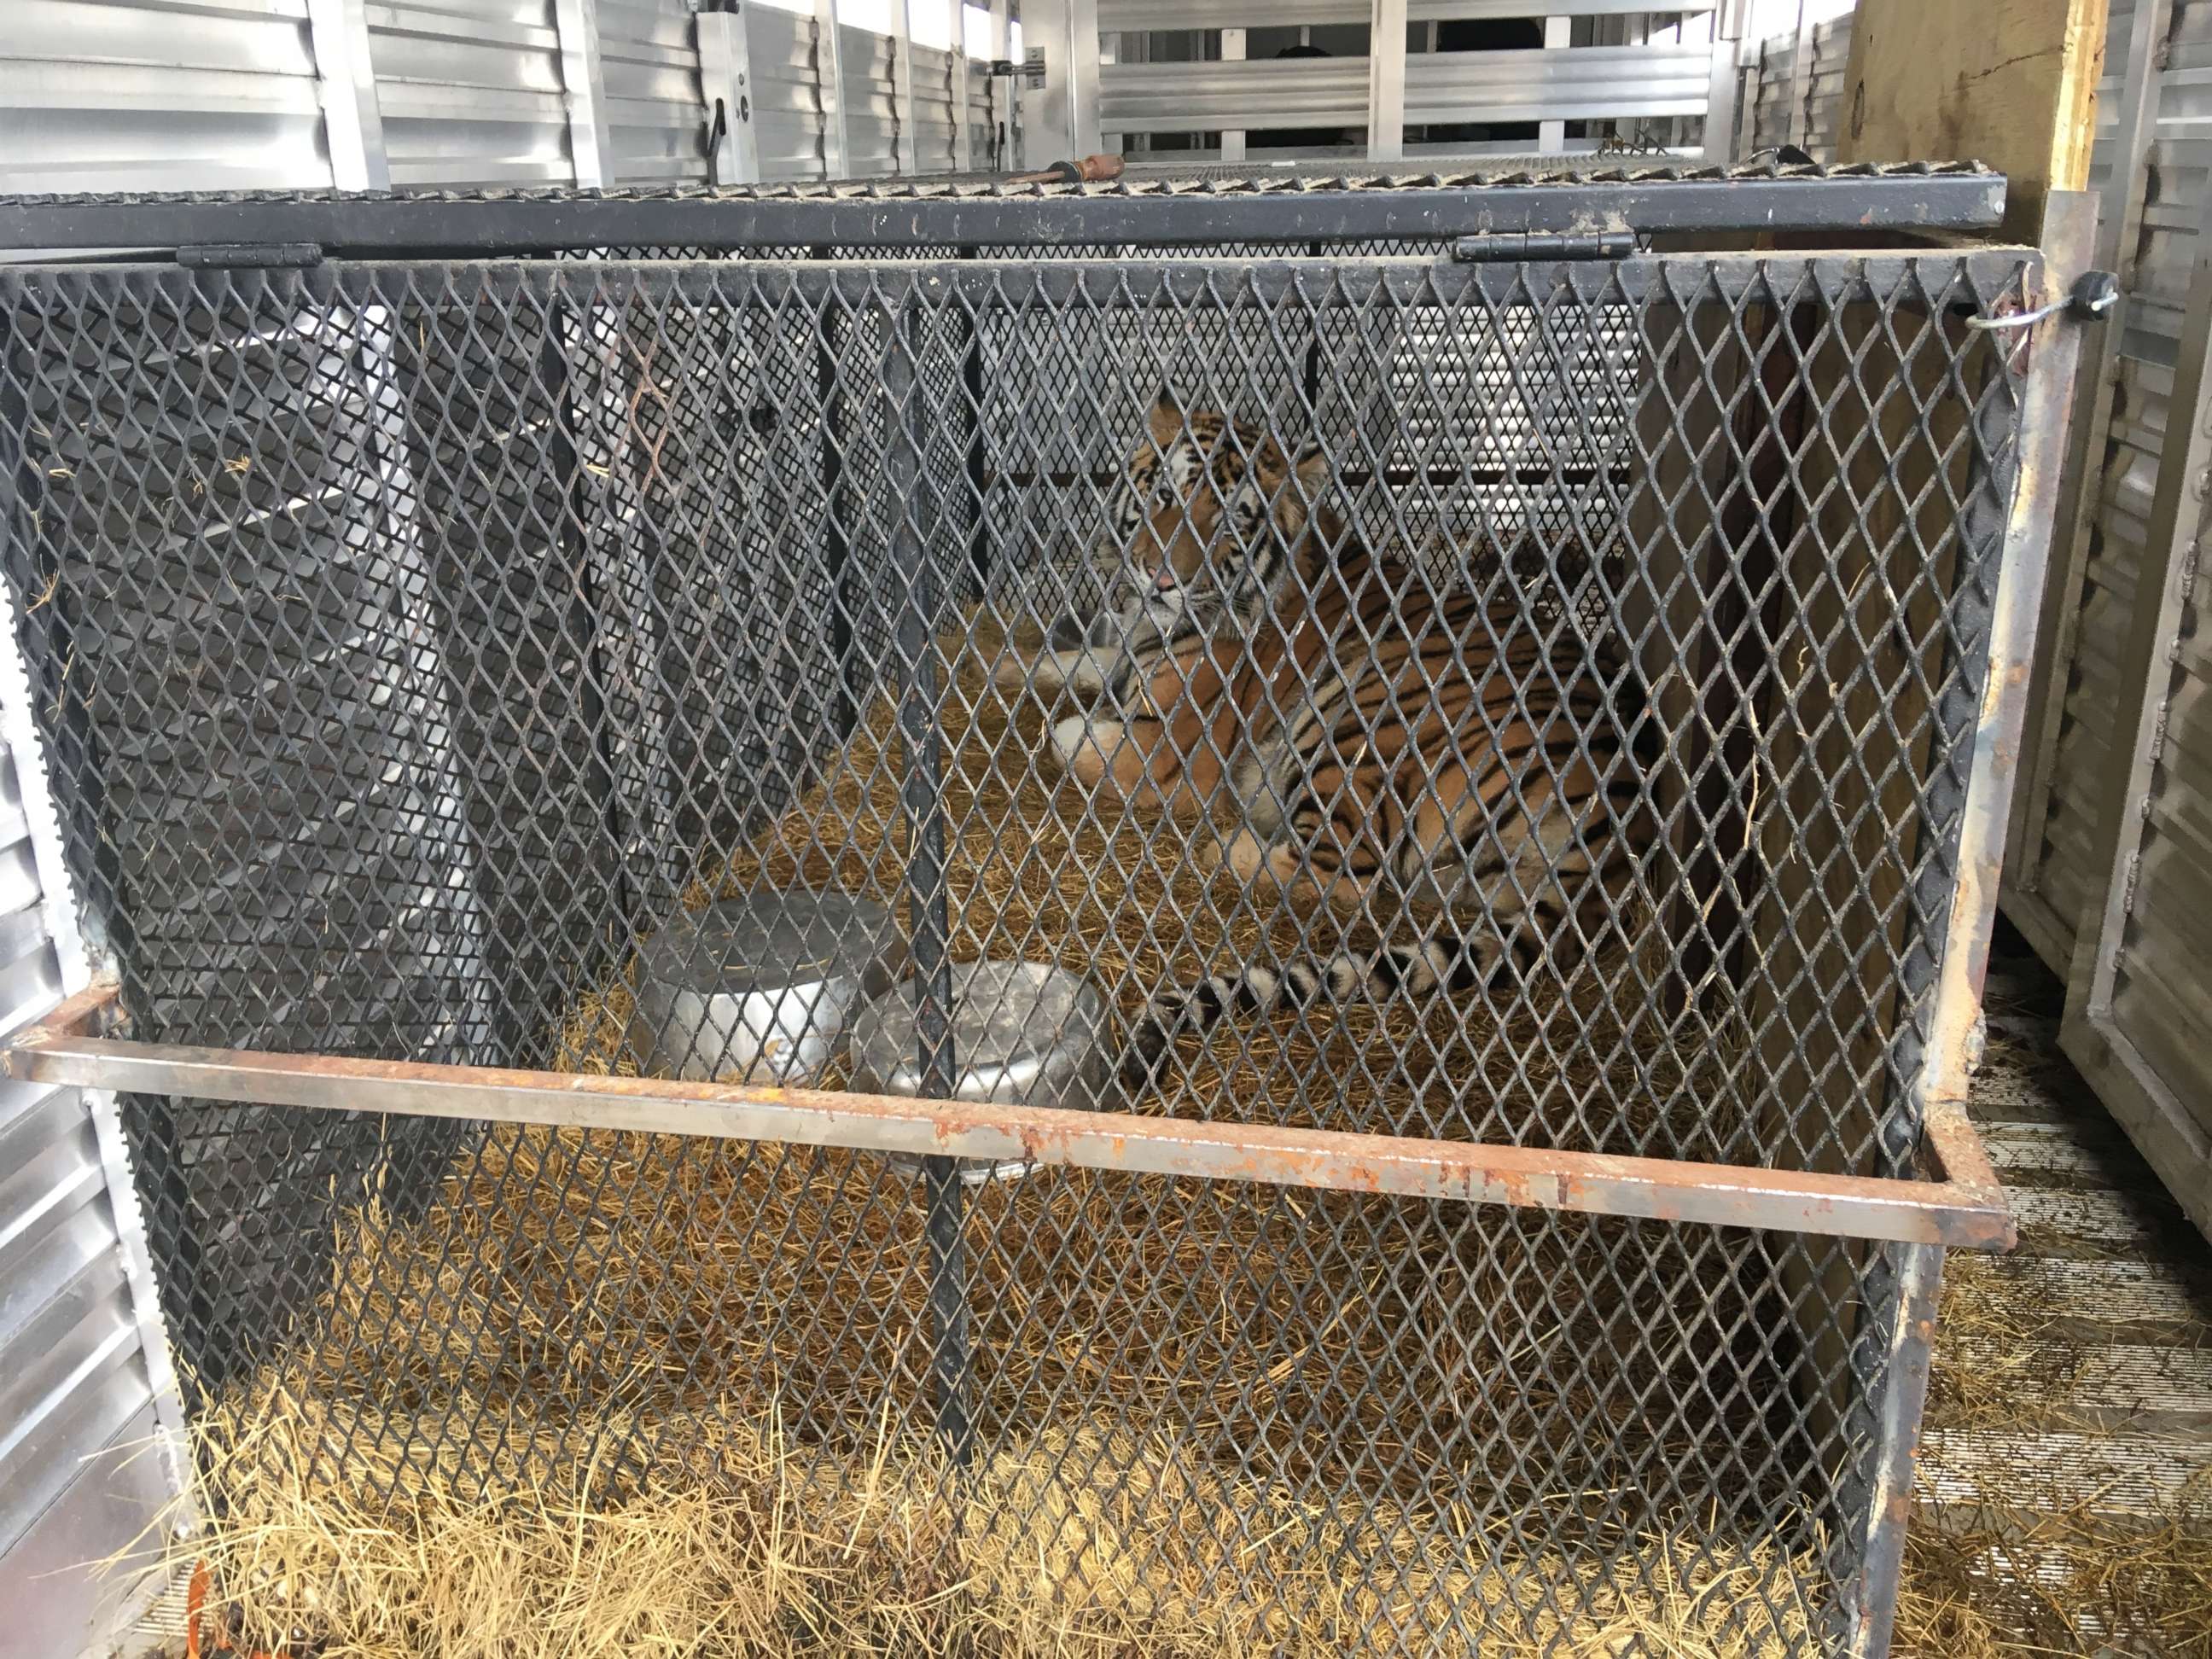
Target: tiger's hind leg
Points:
(1296, 844)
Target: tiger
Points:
(1381, 741)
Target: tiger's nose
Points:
(1166, 578)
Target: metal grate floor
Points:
(2070, 1409)
(159, 1632)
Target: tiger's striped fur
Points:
(1378, 739)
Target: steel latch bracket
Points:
(725, 88)
(2095, 293)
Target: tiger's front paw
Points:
(1048, 674)
(1087, 750)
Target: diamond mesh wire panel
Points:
(1528, 704)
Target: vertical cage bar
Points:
(836, 533)
(1886, 1314)
(583, 616)
(971, 417)
(929, 922)
(1918, 1272)
(1963, 666)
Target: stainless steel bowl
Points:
(1022, 1035)
(759, 989)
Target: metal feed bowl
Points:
(759, 989)
(1023, 1034)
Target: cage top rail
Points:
(1962, 1205)
(936, 212)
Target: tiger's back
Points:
(1401, 742)
(1373, 741)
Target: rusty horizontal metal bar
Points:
(90, 1012)
(1956, 1152)
(1960, 1216)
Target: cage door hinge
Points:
(240, 256)
(1483, 250)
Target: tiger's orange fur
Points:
(1377, 739)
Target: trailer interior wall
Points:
(203, 94)
(1793, 87)
(2110, 869)
(1329, 78)
(90, 1425)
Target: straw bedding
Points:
(690, 1374)
(740, 1547)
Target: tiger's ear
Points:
(1311, 465)
(1165, 419)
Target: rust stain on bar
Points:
(1962, 1216)
(83, 1014)
(1960, 1158)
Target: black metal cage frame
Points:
(613, 559)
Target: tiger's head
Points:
(1214, 512)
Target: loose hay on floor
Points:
(693, 1371)
(737, 1548)
(2031, 1565)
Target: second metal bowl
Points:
(1023, 1034)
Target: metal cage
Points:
(430, 600)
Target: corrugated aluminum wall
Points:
(786, 50)
(1597, 67)
(869, 73)
(471, 92)
(2109, 871)
(159, 94)
(89, 1421)
(207, 95)
(649, 64)
(937, 96)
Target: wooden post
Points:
(2011, 82)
